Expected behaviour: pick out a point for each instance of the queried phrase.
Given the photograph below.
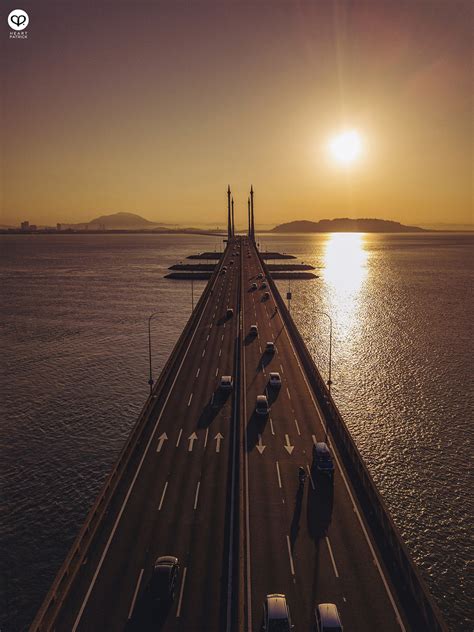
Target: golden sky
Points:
(154, 108)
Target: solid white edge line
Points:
(332, 557)
(196, 497)
(364, 530)
(278, 474)
(145, 452)
(178, 611)
(132, 606)
(290, 556)
(163, 496)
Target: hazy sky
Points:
(154, 107)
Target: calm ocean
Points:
(74, 312)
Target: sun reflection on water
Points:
(345, 270)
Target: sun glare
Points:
(346, 147)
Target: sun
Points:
(346, 147)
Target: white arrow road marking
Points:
(161, 439)
(218, 438)
(192, 438)
(288, 447)
(135, 594)
(260, 446)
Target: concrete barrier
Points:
(419, 606)
(48, 611)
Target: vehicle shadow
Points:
(213, 408)
(148, 616)
(320, 505)
(249, 338)
(272, 394)
(295, 521)
(256, 426)
(264, 361)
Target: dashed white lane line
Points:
(314, 439)
(297, 427)
(190, 398)
(222, 337)
(163, 496)
(278, 474)
(197, 495)
(132, 606)
(332, 557)
(281, 369)
(290, 556)
(197, 374)
(178, 611)
(220, 352)
(207, 337)
(179, 437)
(205, 438)
(271, 427)
(203, 353)
(217, 371)
(288, 391)
(310, 476)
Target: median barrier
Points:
(48, 611)
(412, 591)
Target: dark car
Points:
(164, 579)
(322, 459)
(230, 312)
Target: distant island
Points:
(346, 225)
(116, 221)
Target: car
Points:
(276, 614)
(223, 271)
(264, 285)
(266, 296)
(274, 380)
(253, 286)
(231, 262)
(259, 275)
(226, 383)
(322, 459)
(230, 312)
(164, 578)
(327, 618)
(270, 347)
(261, 407)
(253, 331)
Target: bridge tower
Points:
(252, 236)
(248, 206)
(229, 225)
(233, 225)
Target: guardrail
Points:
(45, 617)
(413, 592)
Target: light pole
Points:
(150, 381)
(329, 382)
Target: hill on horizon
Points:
(120, 221)
(345, 224)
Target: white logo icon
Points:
(18, 19)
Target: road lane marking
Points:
(197, 495)
(161, 439)
(178, 611)
(218, 438)
(190, 398)
(288, 447)
(297, 427)
(217, 371)
(332, 557)
(220, 352)
(192, 438)
(203, 353)
(260, 446)
(278, 474)
(281, 368)
(197, 374)
(290, 556)
(287, 390)
(315, 441)
(163, 496)
(205, 439)
(132, 606)
(222, 337)
(179, 438)
(310, 476)
(271, 427)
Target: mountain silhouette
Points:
(346, 225)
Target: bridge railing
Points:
(414, 593)
(46, 615)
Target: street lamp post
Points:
(329, 382)
(150, 381)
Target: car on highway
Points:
(274, 380)
(322, 459)
(164, 579)
(261, 407)
(230, 312)
(264, 285)
(223, 271)
(259, 275)
(231, 262)
(270, 347)
(327, 618)
(226, 383)
(253, 331)
(276, 614)
(266, 296)
(253, 286)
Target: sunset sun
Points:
(346, 147)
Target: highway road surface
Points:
(212, 475)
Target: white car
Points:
(261, 407)
(259, 275)
(270, 347)
(226, 383)
(276, 614)
(274, 380)
(253, 330)
(327, 618)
